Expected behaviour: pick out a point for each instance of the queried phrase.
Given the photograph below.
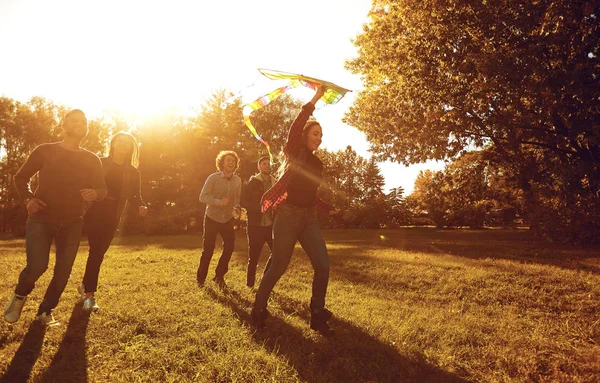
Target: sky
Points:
(143, 57)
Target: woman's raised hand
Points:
(321, 89)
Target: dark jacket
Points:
(251, 196)
(131, 187)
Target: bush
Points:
(576, 221)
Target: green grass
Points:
(410, 305)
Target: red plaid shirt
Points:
(292, 151)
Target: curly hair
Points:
(220, 161)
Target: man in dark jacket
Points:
(260, 225)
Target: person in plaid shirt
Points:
(294, 200)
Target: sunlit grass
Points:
(409, 305)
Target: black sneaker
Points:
(220, 282)
(318, 321)
(259, 317)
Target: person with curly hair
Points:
(221, 194)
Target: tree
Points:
(398, 213)
(520, 79)
(354, 185)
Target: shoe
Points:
(318, 321)
(13, 309)
(47, 320)
(259, 317)
(90, 305)
(220, 282)
(81, 290)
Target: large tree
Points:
(518, 78)
(440, 75)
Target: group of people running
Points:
(76, 189)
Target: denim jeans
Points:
(101, 223)
(293, 224)
(211, 229)
(38, 239)
(257, 237)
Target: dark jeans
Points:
(296, 224)
(101, 223)
(211, 229)
(257, 237)
(38, 239)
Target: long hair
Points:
(133, 156)
(297, 162)
(220, 160)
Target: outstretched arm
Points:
(294, 141)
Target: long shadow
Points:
(69, 363)
(350, 355)
(28, 353)
(510, 245)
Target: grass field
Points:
(410, 305)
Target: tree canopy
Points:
(442, 75)
(518, 79)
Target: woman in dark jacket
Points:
(294, 199)
(102, 219)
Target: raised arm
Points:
(294, 141)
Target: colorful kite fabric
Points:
(333, 94)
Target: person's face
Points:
(122, 145)
(314, 137)
(75, 125)
(229, 164)
(265, 167)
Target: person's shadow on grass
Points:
(69, 363)
(28, 353)
(350, 355)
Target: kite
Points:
(333, 94)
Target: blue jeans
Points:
(257, 237)
(38, 239)
(293, 224)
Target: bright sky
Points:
(141, 57)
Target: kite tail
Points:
(260, 103)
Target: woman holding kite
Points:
(294, 200)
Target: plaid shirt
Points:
(293, 152)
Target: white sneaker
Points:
(90, 305)
(47, 320)
(13, 309)
(81, 290)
